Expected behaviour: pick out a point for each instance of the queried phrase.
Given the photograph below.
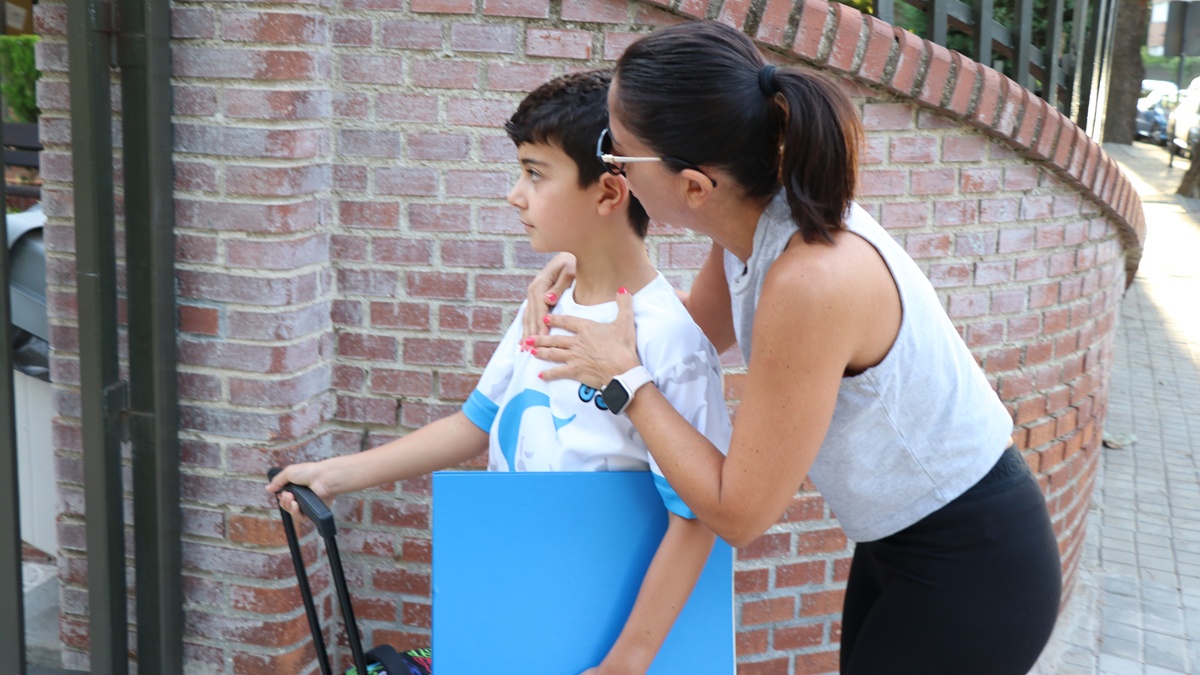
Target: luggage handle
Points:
(311, 506)
(316, 510)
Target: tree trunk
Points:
(1189, 185)
(1125, 78)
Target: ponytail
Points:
(700, 91)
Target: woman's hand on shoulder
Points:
(595, 352)
(544, 291)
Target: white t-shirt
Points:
(563, 425)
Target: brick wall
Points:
(346, 263)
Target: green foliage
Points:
(18, 77)
(1167, 67)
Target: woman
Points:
(856, 377)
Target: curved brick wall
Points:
(346, 262)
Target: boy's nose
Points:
(514, 195)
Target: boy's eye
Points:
(534, 174)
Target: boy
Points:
(567, 201)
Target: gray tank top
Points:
(908, 435)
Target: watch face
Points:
(615, 396)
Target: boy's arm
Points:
(668, 583)
(447, 442)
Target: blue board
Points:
(535, 574)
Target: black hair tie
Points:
(766, 79)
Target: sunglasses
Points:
(615, 164)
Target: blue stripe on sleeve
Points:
(480, 410)
(670, 499)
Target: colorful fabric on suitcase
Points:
(421, 660)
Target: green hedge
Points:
(19, 77)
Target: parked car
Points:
(1183, 124)
(1153, 110)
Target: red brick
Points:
(366, 69)
(950, 276)
(446, 74)
(407, 107)
(249, 64)
(774, 22)
(848, 27)
(1048, 134)
(991, 91)
(276, 27)
(395, 250)
(412, 316)
(269, 181)
(879, 182)
(768, 611)
(277, 254)
(819, 541)
(566, 44)
(401, 382)
(399, 580)
(438, 285)
(443, 6)
(920, 149)
(438, 146)
(1020, 178)
(517, 76)
(800, 574)
(473, 253)
(351, 33)
(350, 178)
(880, 39)
(934, 182)
(816, 663)
(433, 352)
(817, 603)
(201, 320)
(809, 32)
(734, 12)
(751, 581)
(351, 105)
(937, 74)
(964, 148)
(471, 319)
(904, 214)
(493, 39)
(799, 637)
(478, 112)
(222, 286)
(766, 546)
(887, 116)
(968, 305)
(752, 642)
(530, 9)
(366, 410)
(369, 214)
(195, 176)
(501, 287)
(477, 184)
(370, 347)
(595, 11)
(188, 100)
(771, 667)
(962, 212)
(439, 217)
(193, 23)
(276, 104)
(406, 182)
(912, 54)
(967, 74)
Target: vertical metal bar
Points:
(1052, 60)
(938, 14)
(984, 31)
(145, 60)
(1098, 42)
(1105, 23)
(1079, 38)
(885, 10)
(1022, 47)
(12, 596)
(89, 49)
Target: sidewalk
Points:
(1136, 607)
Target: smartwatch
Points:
(620, 390)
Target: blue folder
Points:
(535, 574)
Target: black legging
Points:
(972, 589)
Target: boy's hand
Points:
(305, 473)
(544, 291)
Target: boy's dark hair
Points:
(570, 112)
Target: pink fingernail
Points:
(529, 341)
(533, 350)
(546, 320)
(550, 297)
(540, 376)
(622, 291)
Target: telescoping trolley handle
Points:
(316, 510)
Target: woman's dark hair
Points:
(693, 91)
(570, 111)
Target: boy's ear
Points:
(614, 194)
(697, 187)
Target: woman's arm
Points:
(708, 301)
(665, 589)
(808, 325)
(447, 442)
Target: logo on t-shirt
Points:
(508, 431)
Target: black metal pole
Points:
(12, 596)
(144, 55)
(89, 25)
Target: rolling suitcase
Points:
(383, 659)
